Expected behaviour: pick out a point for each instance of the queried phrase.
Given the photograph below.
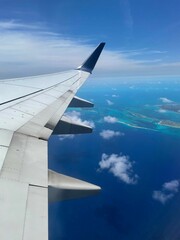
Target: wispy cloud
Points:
(172, 186)
(161, 110)
(168, 191)
(15, 25)
(142, 52)
(76, 117)
(165, 100)
(109, 102)
(108, 134)
(126, 11)
(110, 119)
(28, 49)
(67, 136)
(161, 196)
(120, 166)
(115, 95)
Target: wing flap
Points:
(3, 152)
(23, 190)
(24, 211)
(26, 161)
(13, 199)
(5, 137)
(36, 221)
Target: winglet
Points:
(90, 63)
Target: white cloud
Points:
(161, 196)
(120, 166)
(75, 116)
(115, 96)
(165, 100)
(28, 49)
(14, 25)
(161, 110)
(143, 51)
(168, 191)
(110, 119)
(109, 102)
(107, 134)
(67, 136)
(127, 15)
(172, 186)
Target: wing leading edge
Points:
(31, 110)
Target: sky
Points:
(142, 37)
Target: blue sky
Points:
(38, 36)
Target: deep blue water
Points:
(120, 211)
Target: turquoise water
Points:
(121, 211)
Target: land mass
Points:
(169, 123)
(171, 107)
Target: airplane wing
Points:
(31, 110)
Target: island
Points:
(171, 107)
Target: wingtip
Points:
(91, 61)
(102, 43)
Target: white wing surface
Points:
(31, 109)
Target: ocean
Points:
(140, 188)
